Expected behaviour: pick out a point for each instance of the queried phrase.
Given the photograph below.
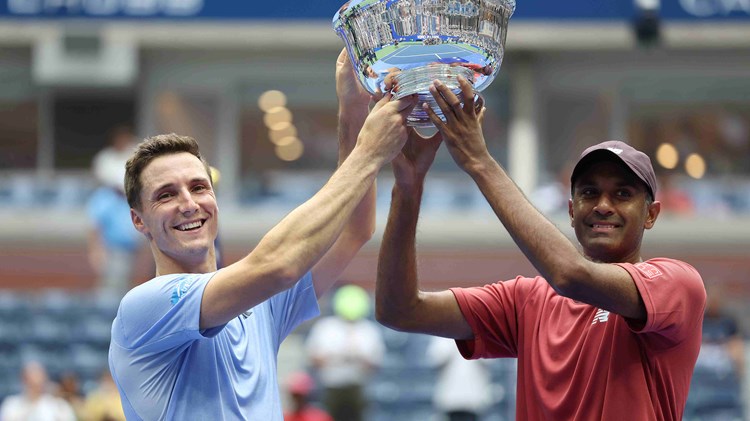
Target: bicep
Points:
(610, 287)
(438, 314)
(235, 289)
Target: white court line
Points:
(393, 54)
(433, 54)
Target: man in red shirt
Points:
(600, 335)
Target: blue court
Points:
(409, 54)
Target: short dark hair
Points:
(150, 149)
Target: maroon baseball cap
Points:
(637, 161)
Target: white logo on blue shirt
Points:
(181, 289)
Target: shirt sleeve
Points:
(492, 311)
(163, 313)
(674, 296)
(292, 307)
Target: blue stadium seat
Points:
(14, 306)
(11, 332)
(714, 396)
(48, 329)
(88, 361)
(57, 303)
(94, 330)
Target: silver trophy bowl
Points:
(401, 46)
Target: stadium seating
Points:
(65, 331)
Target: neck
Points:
(634, 258)
(167, 265)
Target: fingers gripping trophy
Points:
(402, 46)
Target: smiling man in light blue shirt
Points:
(198, 343)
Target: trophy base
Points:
(418, 81)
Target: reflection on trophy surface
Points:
(401, 46)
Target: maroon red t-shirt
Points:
(578, 362)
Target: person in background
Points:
(108, 164)
(675, 200)
(69, 389)
(103, 402)
(299, 386)
(716, 388)
(35, 402)
(112, 241)
(463, 391)
(345, 349)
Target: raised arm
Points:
(605, 286)
(299, 241)
(353, 110)
(399, 303)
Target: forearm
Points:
(551, 252)
(350, 120)
(397, 293)
(361, 225)
(357, 231)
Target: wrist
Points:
(354, 111)
(485, 171)
(480, 165)
(408, 188)
(350, 122)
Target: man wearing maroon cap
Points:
(602, 334)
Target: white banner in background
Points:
(106, 7)
(708, 8)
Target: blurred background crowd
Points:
(81, 81)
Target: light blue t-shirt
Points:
(167, 369)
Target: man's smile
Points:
(603, 226)
(190, 226)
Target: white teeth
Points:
(603, 226)
(185, 227)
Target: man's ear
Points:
(138, 223)
(653, 212)
(570, 211)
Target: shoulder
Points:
(667, 263)
(327, 322)
(11, 402)
(668, 269)
(176, 284)
(674, 296)
(152, 302)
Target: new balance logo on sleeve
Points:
(601, 316)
